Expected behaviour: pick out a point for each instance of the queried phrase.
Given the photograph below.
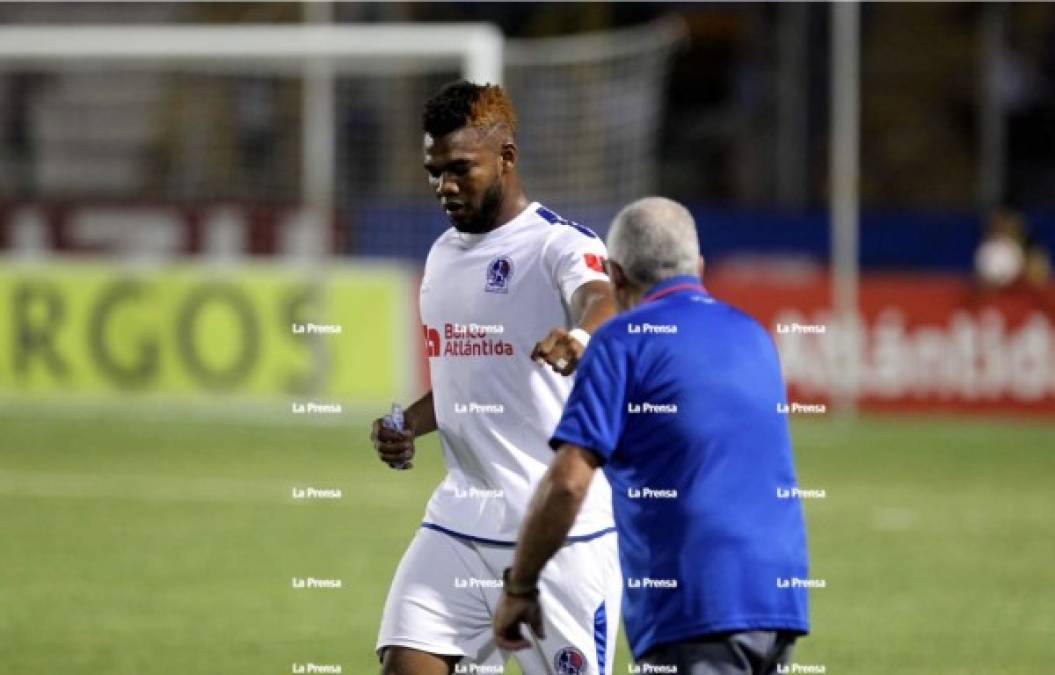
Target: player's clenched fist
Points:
(560, 349)
(394, 448)
(511, 612)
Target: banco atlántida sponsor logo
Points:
(455, 339)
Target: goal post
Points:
(478, 47)
(315, 52)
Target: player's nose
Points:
(446, 186)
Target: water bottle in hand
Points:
(394, 422)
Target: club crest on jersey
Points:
(570, 661)
(499, 272)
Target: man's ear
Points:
(616, 275)
(508, 154)
(700, 269)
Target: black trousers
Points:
(744, 653)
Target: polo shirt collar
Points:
(679, 284)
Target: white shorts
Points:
(446, 589)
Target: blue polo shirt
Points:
(679, 398)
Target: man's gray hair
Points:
(654, 238)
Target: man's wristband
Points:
(527, 591)
(581, 335)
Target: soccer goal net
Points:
(309, 136)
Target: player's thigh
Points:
(580, 590)
(406, 661)
(432, 605)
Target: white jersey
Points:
(486, 300)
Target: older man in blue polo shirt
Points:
(677, 398)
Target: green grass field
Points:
(151, 543)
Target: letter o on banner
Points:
(233, 297)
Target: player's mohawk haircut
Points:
(464, 104)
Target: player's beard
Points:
(486, 215)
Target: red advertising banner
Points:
(920, 342)
(124, 228)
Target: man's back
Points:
(697, 451)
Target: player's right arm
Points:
(397, 448)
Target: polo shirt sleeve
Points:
(595, 412)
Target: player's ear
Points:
(700, 269)
(508, 155)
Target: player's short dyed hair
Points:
(464, 104)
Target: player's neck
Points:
(511, 208)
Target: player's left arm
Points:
(551, 514)
(591, 305)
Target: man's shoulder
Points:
(562, 240)
(702, 317)
(560, 225)
(730, 314)
(558, 236)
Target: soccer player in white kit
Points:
(508, 299)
